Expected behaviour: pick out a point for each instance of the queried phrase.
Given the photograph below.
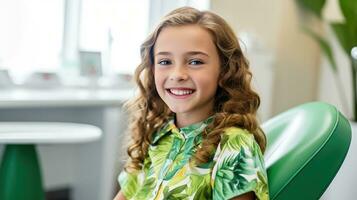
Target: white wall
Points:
(276, 22)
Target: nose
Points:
(179, 73)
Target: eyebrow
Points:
(187, 53)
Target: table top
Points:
(47, 133)
(19, 98)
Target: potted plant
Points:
(346, 34)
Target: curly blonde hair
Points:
(235, 102)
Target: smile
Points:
(180, 93)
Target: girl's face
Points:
(186, 71)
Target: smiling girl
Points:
(194, 129)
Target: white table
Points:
(47, 133)
(94, 176)
(20, 171)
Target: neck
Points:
(186, 119)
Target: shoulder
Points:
(239, 142)
(164, 129)
(236, 138)
(236, 131)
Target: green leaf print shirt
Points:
(168, 173)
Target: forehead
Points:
(180, 39)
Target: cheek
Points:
(209, 84)
(158, 77)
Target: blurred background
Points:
(72, 61)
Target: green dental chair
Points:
(306, 147)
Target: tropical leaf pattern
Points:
(169, 174)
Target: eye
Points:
(164, 62)
(195, 62)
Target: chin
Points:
(178, 110)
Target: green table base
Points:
(20, 174)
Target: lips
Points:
(180, 92)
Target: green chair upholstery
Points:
(306, 147)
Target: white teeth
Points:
(181, 92)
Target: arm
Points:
(119, 196)
(239, 160)
(246, 196)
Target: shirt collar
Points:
(187, 131)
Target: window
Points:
(41, 35)
(31, 35)
(115, 28)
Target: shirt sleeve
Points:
(239, 167)
(129, 183)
